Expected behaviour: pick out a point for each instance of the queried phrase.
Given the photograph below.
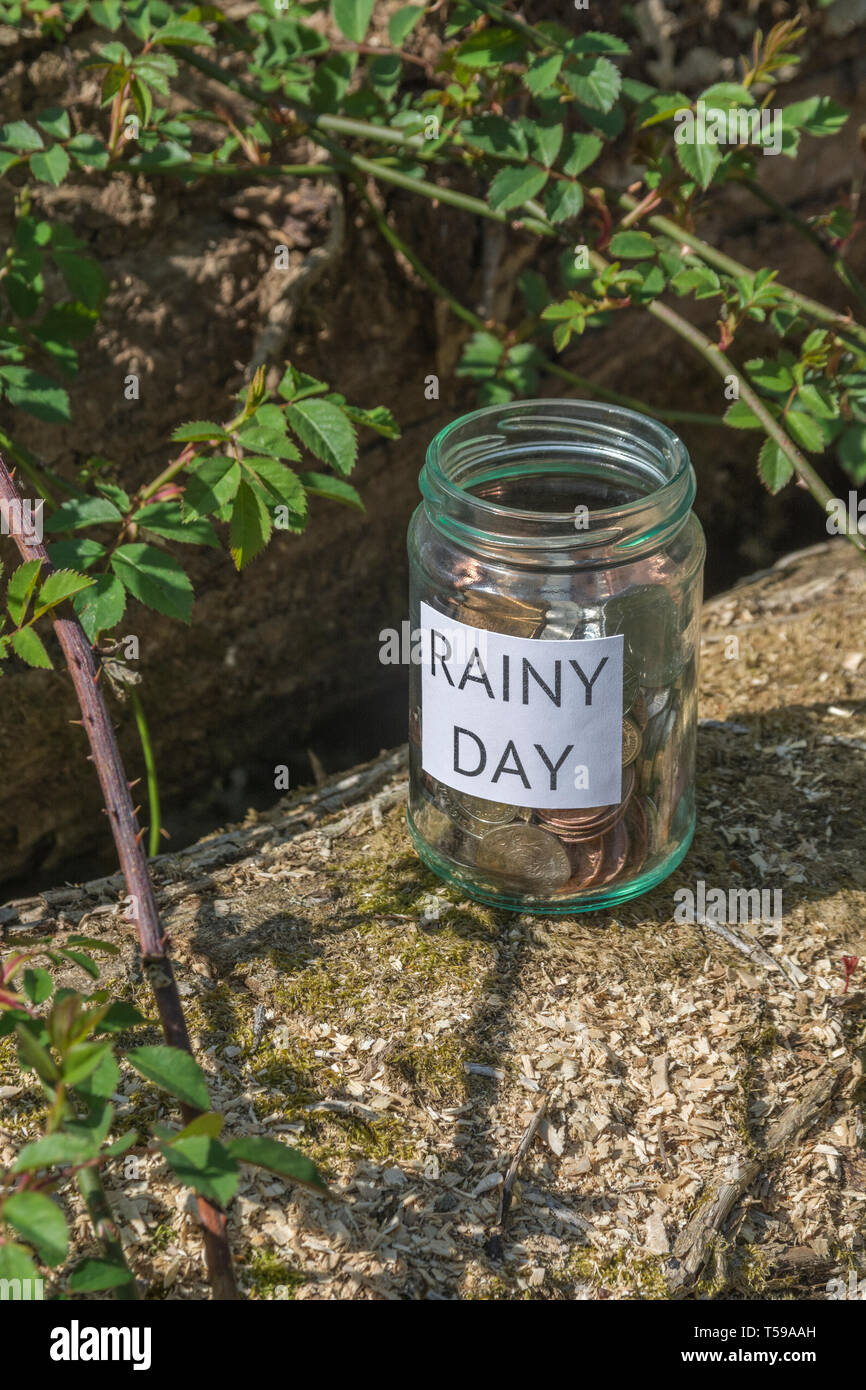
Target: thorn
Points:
(137, 809)
(97, 674)
(77, 721)
(163, 831)
(133, 784)
(140, 835)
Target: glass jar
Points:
(556, 573)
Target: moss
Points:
(620, 1273)
(435, 1071)
(272, 1278)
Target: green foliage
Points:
(57, 1032)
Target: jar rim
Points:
(592, 428)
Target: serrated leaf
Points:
(84, 277)
(816, 115)
(597, 42)
(35, 1055)
(88, 151)
(805, 431)
(20, 136)
(37, 984)
(196, 431)
(211, 486)
(700, 159)
(22, 582)
(92, 1275)
(495, 135)
(28, 645)
(81, 959)
(205, 1165)
(490, 47)
(174, 1071)
(562, 200)
(38, 1221)
(594, 81)
(35, 393)
(741, 417)
(335, 489)
(277, 1158)
(119, 1017)
(542, 72)
(56, 1151)
(352, 17)
(251, 526)
(54, 120)
(514, 185)
(578, 152)
(325, 431)
(50, 166)
(59, 586)
(102, 1081)
(281, 482)
(155, 579)
(102, 606)
(182, 31)
(774, 466)
(402, 22)
(83, 511)
(167, 519)
(632, 245)
(83, 1059)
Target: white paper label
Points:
(522, 721)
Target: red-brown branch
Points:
(156, 964)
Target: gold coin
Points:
(631, 742)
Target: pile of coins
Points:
(548, 853)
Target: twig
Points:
(522, 1149)
(751, 949)
(156, 964)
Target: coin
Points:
(473, 813)
(631, 742)
(629, 686)
(560, 621)
(526, 856)
(616, 847)
(431, 824)
(636, 820)
(586, 864)
(573, 826)
(498, 613)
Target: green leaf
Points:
(594, 81)
(700, 160)
(698, 278)
(542, 72)
(514, 185)
(806, 431)
(34, 1055)
(490, 47)
(82, 1059)
(378, 419)
(15, 1262)
(632, 245)
(210, 1124)
(54, 120)
(277, 1158)
(210, 486)
(774, 466)
(84, 277)
(37, 984)
(58, 587)
(22, 582)
(88, 151)
(741, 417)
(770, 374)
(51, 165)
(103, 1080)
(325, 431)
(852, 452)
(660, 106)
(120, 1016)
(28, 645)
(81, 959)
(199, 430)
(102, 606)
(816, 115)
(495, 135)
(818, 400)
(723, 96)
(563, 200)
(402, 22)
(335, 489)
(92, 1275)
(182, 31)
(82, 511)
(37, 394)
(20, 136)
(174, 1071)
(38, 1221)
(205, 1165)
(595, 42)
(167, 519)
(251, 526)
(352, 17)
(59, 1150)
(545, 139)
(155, 579)
(578, 152)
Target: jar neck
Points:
(553, 483)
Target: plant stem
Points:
(156, 963)
(850, 332)
(29, 466)
(839, 266)
(102, 1219)
(150, 770)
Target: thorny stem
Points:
(839, 266)
(150, 771)
(156, 964)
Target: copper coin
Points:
(579, 824)
(616, 847)
(587, 859)
(631, 742)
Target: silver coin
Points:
(526, 856)
(474, 813)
